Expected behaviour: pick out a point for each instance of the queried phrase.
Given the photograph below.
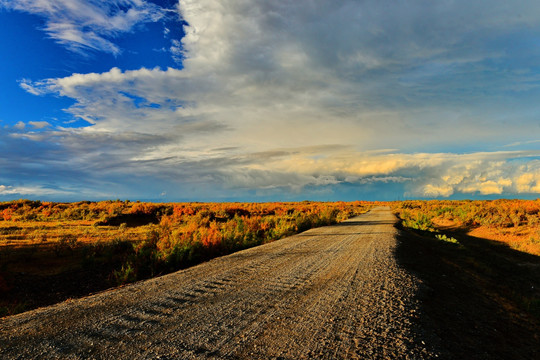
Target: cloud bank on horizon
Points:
(285, 100)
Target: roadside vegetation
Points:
(478, 258)
(53, 251)
(513, 222)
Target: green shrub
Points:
(447, 239)
(125, 275)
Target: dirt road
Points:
(328, 293)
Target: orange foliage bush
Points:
(172, 236)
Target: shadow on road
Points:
(481, 298)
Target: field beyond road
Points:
(357, 290)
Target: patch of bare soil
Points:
(443, 223)
(516, 237)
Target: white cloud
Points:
(83, 25)
(28, 86)
(3, 189)
(28, 190)
(19, 125)
(39, 124)
(176, 50)
(481, 173)
(434, 191)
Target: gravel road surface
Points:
(329, 293)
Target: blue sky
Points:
(259, 101)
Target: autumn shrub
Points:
(503, 216)
(126, 274)
(140, 239)
(496, 213)
(189, 235)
